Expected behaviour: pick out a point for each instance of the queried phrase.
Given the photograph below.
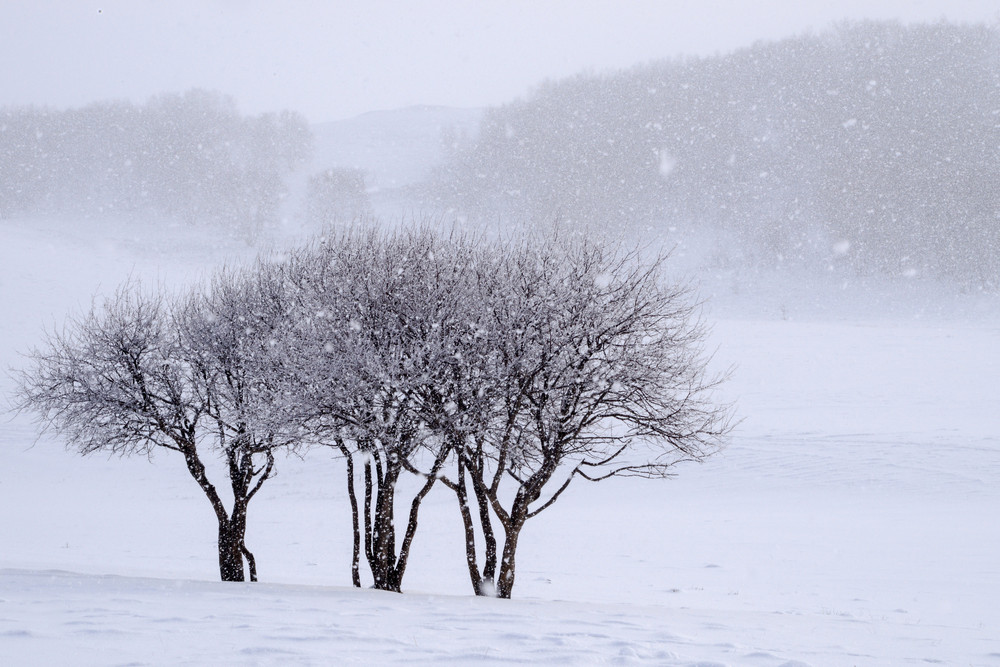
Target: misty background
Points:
(862, 150)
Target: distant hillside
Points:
(869, 149)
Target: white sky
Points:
(336, 59)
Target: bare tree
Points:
(132, 376)
(594, 371)
(371, 343)
(503, 369)
(232, 339)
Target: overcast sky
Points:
(333, 59)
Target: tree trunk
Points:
(386, 566)
(230, 552)
(489, 538)
(355, 524)
(471, 558)
(381, 547)
(231, 530)
(483, 583)
(411, 524)
(519, 514)
(505, 582)
(251, 563)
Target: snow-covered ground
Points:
(852, 520)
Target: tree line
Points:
(872, 146)
(190, 156)
(501, 370)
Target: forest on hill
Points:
(873, 148)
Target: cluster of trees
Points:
(190, 156)
(501, 370)
(873, 145)
(336, 195)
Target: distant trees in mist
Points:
(873, 146)
(336, 194)
(499, 371)
(191, 156)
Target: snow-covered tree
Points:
(136, 375)
(232, 339)
(592, 367)
(504, 369)
(372, 345)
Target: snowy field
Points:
(853, 520)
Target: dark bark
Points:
(471, 557)
(251, 563)
(388, 567)
(355, 522)
(230, 552)
(380, 530)
(483, 582)
(232, 547)
(529, 491)
(232, 526)
(505, 581)
(489, 537)
(369, 490)
(411, 524)
(512, 532)
(230, 542)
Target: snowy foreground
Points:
(852, 520)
